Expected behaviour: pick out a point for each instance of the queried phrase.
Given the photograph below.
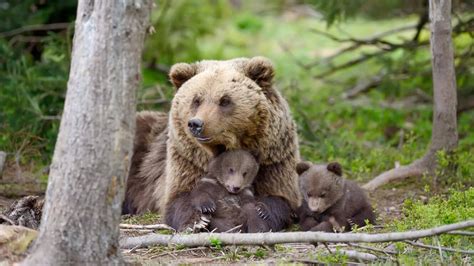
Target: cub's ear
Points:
(302, 167)
(180, 73)
(260, 70)
(335, 167)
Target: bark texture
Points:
(93, 150)
(444, 134)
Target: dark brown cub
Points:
(331, 203)
(224, 194)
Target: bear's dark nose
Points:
(233, 189)
(195, 126)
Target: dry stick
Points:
(353, 254)
(204, 239)
(415, 169)
(413, 243)
(148, 226)
(6, 219)
(3, 157)
(461, 233)
(41, 27)
(364, 86)
(386, 252)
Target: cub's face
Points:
(235, 170)
(220, 103)
(321, 185)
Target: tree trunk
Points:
(92, 154)
(444, 134)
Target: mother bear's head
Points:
(223, 105)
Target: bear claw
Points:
(262, 211)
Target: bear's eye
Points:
(224, 101)
(245, 173)
(196, 102)
(231, 170)
(309, 194)
(323, 194)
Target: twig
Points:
(3, 158)
(204, 239)
(233, 228)
(42, 27)
(5, 218)
(413, 243)
(178, 251)
(461, 233)
(148, 226)
(137, 230)
(364, 86)
(416, 168)
(157, 101)
(386, 252)
(353, 254)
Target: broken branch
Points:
(147, 227)
(204, 239)
(416, 244)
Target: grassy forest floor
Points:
(387, 125)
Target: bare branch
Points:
(461, 233)
(417, 168)
(413, 243)
(147, 227)
(364, 86)
(3, 158)
(204, 239)
(41, 27)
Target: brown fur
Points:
(149, 146)
(225, 194)
(330, 201)
(259, 121)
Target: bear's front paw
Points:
(262, 210)
(207, 207)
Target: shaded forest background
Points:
(359, 99)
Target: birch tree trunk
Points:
(92, 154)
(444, 134)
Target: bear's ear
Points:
(302, 167)
(260, 70)
(180, 73)
(335, 167)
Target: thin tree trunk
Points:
(92, 154)
(444, 134)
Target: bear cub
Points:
(331, 203)
(223, 198)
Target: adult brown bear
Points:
(218, 106)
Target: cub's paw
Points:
(198, 226)
(262, 210)
(207, 207)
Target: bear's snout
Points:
(233, 189)
(196, 125)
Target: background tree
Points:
(93, 150)
(444, 136)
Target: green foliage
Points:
(216, 243)
(16, 14)
(146, 218)
(32, 91)
(456, 207)
(179, 25)
(341, 10)
(336, 257)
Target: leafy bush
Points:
(457, 206)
